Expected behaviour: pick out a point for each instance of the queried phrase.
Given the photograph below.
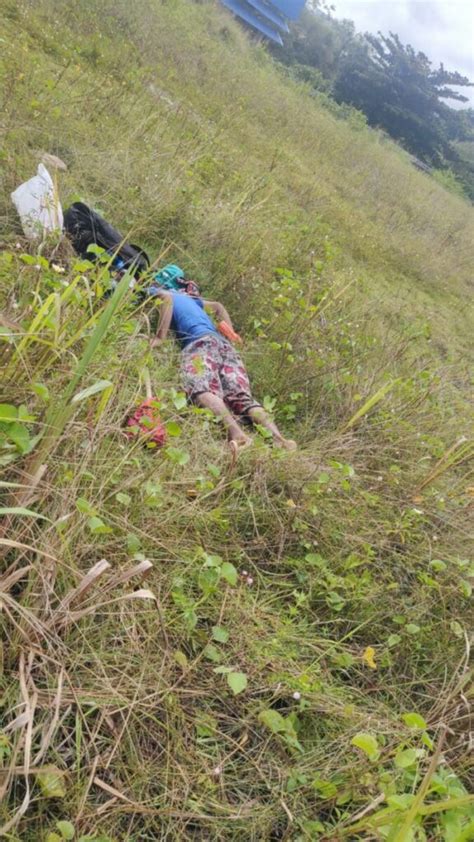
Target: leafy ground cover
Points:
(193, 649)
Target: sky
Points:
(442, 29)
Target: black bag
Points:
(85, 226)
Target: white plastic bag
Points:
(38, 205)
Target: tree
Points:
(398, 90)
(315, 40)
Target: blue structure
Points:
(270, 17)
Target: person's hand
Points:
(156, 342)
(226, 330)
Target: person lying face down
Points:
(212, 371)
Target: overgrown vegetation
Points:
(295, 664)
(393, 85)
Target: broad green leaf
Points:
(8, 413)
(452, 827)
(327, 789)
(315, 559)
(229, 573)
(335, 601)
(180, 400)
(24, 415)
(427, 741)
(19, 510)
(93, 248)
(133, 543)
(456, 628)
(83, 506)
(20, 436)
(54, 837)
(272, 720)
(466, 588)
(405, 759)
(179, 457)
(212, 560)
(393, 640)
(220, 634)
(82, 266)
(173, 429)
(34, 259)
(66, 829)
(412, 628)
(97, 387)
(41, 391)
(208, 579)
(123, 498)
(181, 659)
(414, 720)
(438, 565)
(237, 682)
(212, 653)
(190, 618)
(51, 783)
(367, 743)
(98, 527)
(343, 659)
(313, 827)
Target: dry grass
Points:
(357, 540)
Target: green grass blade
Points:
(370, 403)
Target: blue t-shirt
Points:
(190, 321)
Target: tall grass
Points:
(299, 649)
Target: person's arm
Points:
(219, 311)
(164, 322)
(224, 325)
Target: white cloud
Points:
(442, 29)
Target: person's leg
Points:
(237, 394)
(258, 416)
(215, 403)
(200, 373)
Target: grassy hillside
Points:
(295, 665)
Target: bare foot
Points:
(238, 444)
(286, 444)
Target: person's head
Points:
(172, 277)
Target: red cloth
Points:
(148, 422)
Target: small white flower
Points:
(297, 695)
(59, 269)
(217, 771)
(18, 245)
(379, 479)
(38, 267)
(249, 581)
(435, 537)
(244, 573)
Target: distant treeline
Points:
(397, 88)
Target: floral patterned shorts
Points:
(211, 364)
